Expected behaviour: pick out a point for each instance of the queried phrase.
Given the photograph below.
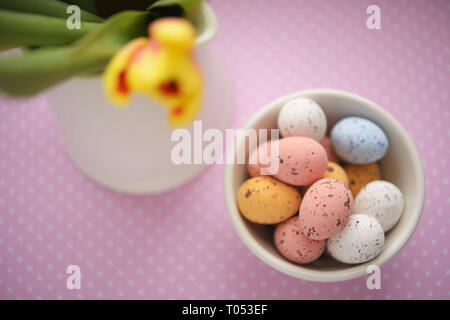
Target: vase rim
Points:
(207, 25)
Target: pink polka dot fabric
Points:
(181, 244)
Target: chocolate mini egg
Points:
(326, 144)
(266, 200)
(325, 209)
(358, 140)
(360, 175)
(361, 240)
(293, 245)
(301, 161)
(302, 117)
(381, 200)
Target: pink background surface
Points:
(181, 244)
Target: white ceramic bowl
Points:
(401, 166)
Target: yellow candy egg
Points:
(265, 200)
(334, 171)
(360, 175)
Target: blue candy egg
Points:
(358, 140)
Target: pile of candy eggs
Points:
(327, 194)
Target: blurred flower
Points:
(162, 67)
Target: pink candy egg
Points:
(326, 144)
(325, 209)
(302, 161)
(294, 246)
(254, 168)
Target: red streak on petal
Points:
(122, 86)
(177, 111)
(154, 46)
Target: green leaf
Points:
(38, 70)
(25, 29)
(42, 68)
(189, 6)
(6, 46)
(47, 8)
(116, 32)
(88, 5)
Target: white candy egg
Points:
(361, 240)
(302, 117)
(383, 201)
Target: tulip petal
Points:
(115, 76)
(185, 113)
(162, 68)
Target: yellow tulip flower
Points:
(161, 67)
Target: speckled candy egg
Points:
(381, 200)
(266, 200)
(360, 175)
(302, 161)
(359, 141)
(361, 240)
(326, 144)
(302, 117)
(334, 171)
(325, 209)
(293, 245)
(254, 165)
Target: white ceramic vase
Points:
(129, 150)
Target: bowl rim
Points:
(354, 271)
